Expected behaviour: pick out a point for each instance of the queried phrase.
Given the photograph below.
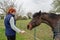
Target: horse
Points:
(51, 19)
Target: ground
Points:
(43, 31)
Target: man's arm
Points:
(13, 26)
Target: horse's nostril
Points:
(27, 26)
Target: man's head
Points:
(11, 10)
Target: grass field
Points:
(43, 32)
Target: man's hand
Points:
(22, 32)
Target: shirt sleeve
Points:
(13, 26)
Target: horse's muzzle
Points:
(29, 26)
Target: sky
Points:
(34, 5)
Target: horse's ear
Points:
(40, 11)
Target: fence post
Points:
(35, 34)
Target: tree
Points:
(5, 5)
(29, 14)
(10, 3)
(56, 5)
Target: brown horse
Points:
(53, 20)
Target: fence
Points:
(42, 32)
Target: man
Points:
(10, 25)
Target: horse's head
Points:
(42, 17)
(36, 20)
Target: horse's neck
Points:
(46, 22)
(49, 22)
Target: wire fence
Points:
(39, 33)
(42, 32)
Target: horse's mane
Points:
(53, 15)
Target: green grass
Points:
(43, 32)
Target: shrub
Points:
(24, 18)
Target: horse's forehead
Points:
(36, 14)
